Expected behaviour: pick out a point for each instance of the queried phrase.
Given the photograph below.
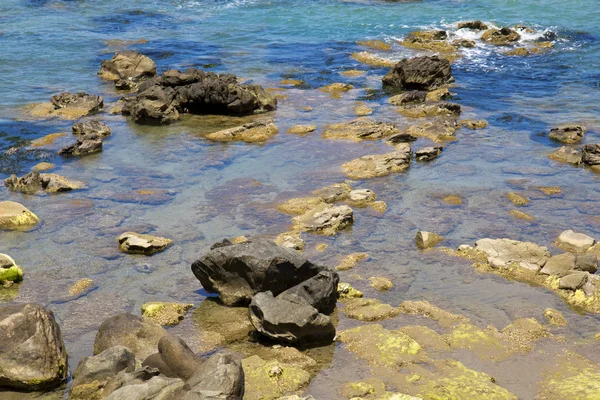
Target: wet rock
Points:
(428, 153)
(300, 205)
(291, 240)
(139, 335)
(381, 283)
(82, 287)
(521, 215)
(84, 145)
(221, 377)
(559, 264)
(419, 73)
(586, 262)
(426, 240)
(333, 193)
(165, 313)
(33, 354)
(9, 270)
(351, 260)
(372, 59)
(517, 199)
(375, 44)
(474, 124)
(503, 252)
(237, 272)
(219, 325)
(302, 129)
(325, 219)
(346, 291)
(282, 320)
(444, 318)
(567, 134)
(360, 129)
(153, 112)
(430, 110)
(127, 65)
(361, 197)
(14, 216)
(573, 281)
(368, 310)
(43, 166)
(568, 155)
(379, 346)
(574, 242)
(501, 37)
(33, 182)
(570, 377)
(92, 373)
(250, 133)
(473, 25)
(93, 127)
(439, 130)
(466, 43)
(267, 380)
(138, 243)
(429, 40)
(554, 317)
(320, 292)
(411, 97)
(174, 358)
(402, 138)
(590, 154)
(438, 94)
(375, 165)
(79, 102)
(357, 389)
(362, 109)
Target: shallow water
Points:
(205, 191)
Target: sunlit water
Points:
(206, 191)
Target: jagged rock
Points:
(291, 240)
(92, 373)
(139, 335)
(443, 108)
(567, 134)
(320, 292)
(473, 25)
(9, 270)
(574, 242)
(466, 43)
(14, 216)
(402, 138)
(238, 271)
(361, 197)
(360, 129)
(333, 193)
(379, 164)
(440, 129)
(88, 144)
(474, 124)
(325, 219)
(419, 73)
(138, 243)
(221, 377)
(412, 97)
(93, 127)
(428, 153)
(591, 154)
(554, 317)
(165, 313)
(79, 102)
(153, 112)
(568, 155)
(33, 355)
(34, 181)
(425, 240)
(503, 252)
(249, 133)
(282, 320)
(501, 37)
(434, 40)
(127, 65)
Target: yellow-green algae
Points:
(368, 309)
(443, 317)
(572, 377)
(379, 346)
(266, 380)
(165, 313)
(12, 274)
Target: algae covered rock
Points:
(426, 240)
(381, 283)
(266, 380)
(567, 134)
(9, 270)
(351, 260)
(379, 346)
(14, 216)
(33, 354)
(554, 317)
(77, 104)
(250, 133)
(346, 291)
(291, 240)
(368, 310)
(444, 318)
(137, 243)
(376, 165)
(165, 313)
(92, 127)
(219, 325)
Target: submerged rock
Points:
(554, 317)
(325, 219)
(568, 155)
(371, 59)
(368, 310)
(426, 240)
(379, 164)
(138, 243)
(428, 153)
(239, 271)
(361, 197)
(567, 134)
(14, 216)
(351, 260)
(433, 40)
(302, 129)
(165, 313)
(127, 65)
(419, 73)
(269, 380)
(381, 283)
(501, 37)
(93, 127)
(411, 97)
(334, 193)
(439, 130)
(33, 354)
(517, 199)
(139, 335)
(249, 133)
(360, 129)
(474, 124)
(9, 270)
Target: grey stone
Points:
(93, 127)
(573, 281)
(559, 264)
(320, 292)
(586, 262)
(103, 366)
(178, 357)
(591, 154)
(221, 377)
(506, 251)
(568, 155)
(574, 241)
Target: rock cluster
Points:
(34, 182)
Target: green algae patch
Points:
(266, 380)
(382, 347)
(454, 381)
(485, 344)
(427, 338)
(300, 205)
(219, 325)
(368, 309)
(346, 291)
(444, 318)
(357, 389)
(165, 313)
(554, 317)
(12, 274)
(14, 216)
(571, 377)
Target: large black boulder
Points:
(419, 73)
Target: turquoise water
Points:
(207, 191)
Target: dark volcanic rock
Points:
(238, 271)
(282, 320)
(319, 292)
(32, 352)
(419, 73)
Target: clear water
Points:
(207, 191)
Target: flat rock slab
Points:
(574, 241)
(375, 165)
(137, 243)
(249, 133)
(502, 252)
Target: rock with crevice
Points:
(375, 165)
(567, 134)
(443, 108)
(590, 154)
(439, 130)
(127, 65)
(138, 243)
(249, 133)
(85, 145)
(419, 73)
(325, 219)
(78, 102)
(93, 127)
(34, 182)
